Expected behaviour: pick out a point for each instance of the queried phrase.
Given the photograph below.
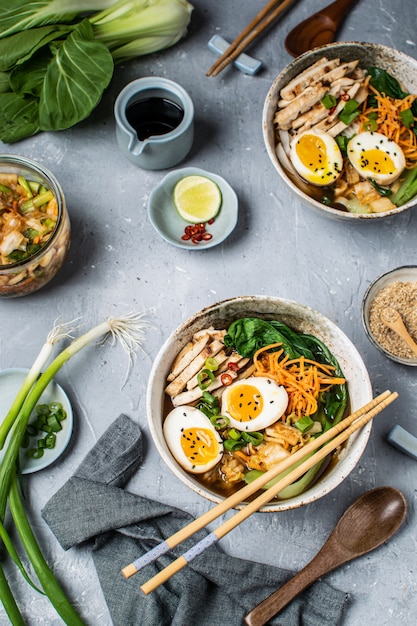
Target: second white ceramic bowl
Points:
(401, 66)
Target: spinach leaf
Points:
(18, 117)
(248, 334)
(79, 72)
(385, 83)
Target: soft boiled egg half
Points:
(254, 403)
(192, 439)
(375, 156)
(316, 157)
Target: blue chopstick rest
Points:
(243, 62)
(404, 441)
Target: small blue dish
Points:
(10, 382)
(170, 225)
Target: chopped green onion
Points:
(349, 112)
(205, 378)
(5, 189)
(326, 200)
(38, 201)
(211, 364)
(31, 430)
(407, 118)
(36, 453)
(371, 125)
(50, 441)
(231, 446)
(42, 409)
(304, 423)
(25, 185)
(209, 404)
(219, 421)
(329, 101)
(234, 434)
(342, 141)
(254, 438)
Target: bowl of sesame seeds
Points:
(397, 289)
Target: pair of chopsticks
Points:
(335, 436)
(263, 19)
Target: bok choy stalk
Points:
(137, 27)
(127, 330)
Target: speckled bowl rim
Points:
(374, 288)
(346, 51)
(222, 314)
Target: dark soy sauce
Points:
(154, 116)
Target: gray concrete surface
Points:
(118, 263)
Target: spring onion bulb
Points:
(127, 330)
(57, 333)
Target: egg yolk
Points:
(199, 445)
(244, 403)
(377, 161)
(311, 151)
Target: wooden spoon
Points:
(393, 320)
(365, 525)
(317, 30)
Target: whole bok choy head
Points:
(43, 42)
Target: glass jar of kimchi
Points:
(35, 229)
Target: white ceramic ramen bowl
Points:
(300, 318)
(401, 66)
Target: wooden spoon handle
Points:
(403, 333)
(337, 9)
(327, 559)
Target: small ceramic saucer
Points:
(170, 225)
(10, 383)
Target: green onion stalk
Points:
(127, 330)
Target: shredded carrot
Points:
(390, 123)
(303, 379)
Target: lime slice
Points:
(197, 198)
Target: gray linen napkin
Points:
(213, 590)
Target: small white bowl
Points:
(10, 382)
(170, 225)
(401, 66)
(407, 273)
(300, 318)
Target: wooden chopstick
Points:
(263, 19)
(246, 491)
(264, 498)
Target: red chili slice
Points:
(233, 366)
(345, 97)
(226, 379)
